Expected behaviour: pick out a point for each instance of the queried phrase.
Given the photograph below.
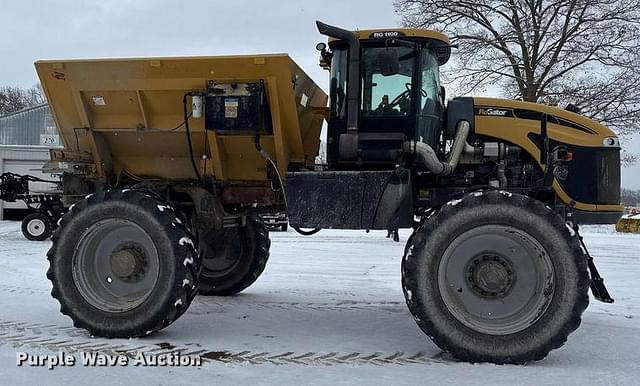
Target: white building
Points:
(26, 137)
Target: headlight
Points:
(611, 142)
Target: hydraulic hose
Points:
(268, 158)
(307, 233)
(188, 133)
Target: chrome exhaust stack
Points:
(430, 158)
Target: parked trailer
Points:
(46, 207)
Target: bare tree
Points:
(583, 52)
(13, 99)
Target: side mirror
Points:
(388, 62)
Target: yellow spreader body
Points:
(127, 113)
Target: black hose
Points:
(38, 179)
(266, 156)
(307, 233)
(188, 133)
(26, 177)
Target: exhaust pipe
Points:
(430, 158)
(348, 142)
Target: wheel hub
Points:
(490, 275)
(222, 251)
(116, 265)
(503, 287)
(128, 263)
(36, 227)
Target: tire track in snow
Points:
(23, 290)
(202, 304)
(72, 340)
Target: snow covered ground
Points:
(328, 310)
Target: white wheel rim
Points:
(36, 227)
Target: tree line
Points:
(14, 99)
(630, 197)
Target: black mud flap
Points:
(350, 199)
(597, 284)
(598, 289)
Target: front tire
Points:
(233, 258)
(496, 277)
(37, 226)
(123, 264)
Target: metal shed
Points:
(26, 137)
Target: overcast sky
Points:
(62, 29)
(112, 28)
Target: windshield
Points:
(393, 95)
(386, 95)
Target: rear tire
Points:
(149, 278)
(37, 226)
(496, 277)
(233, 258)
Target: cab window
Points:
(386, 95)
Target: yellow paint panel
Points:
(516, 131)
(134, 102)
